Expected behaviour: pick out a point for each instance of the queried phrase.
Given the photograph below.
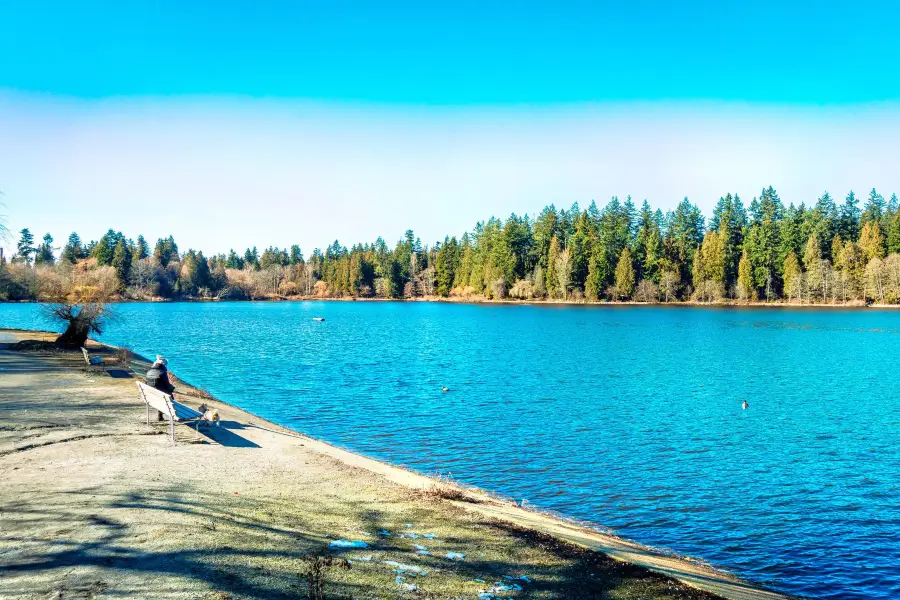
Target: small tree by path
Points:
(83, 311)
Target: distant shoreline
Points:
(855, 305)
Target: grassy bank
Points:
(97, 504)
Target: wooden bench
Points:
(92, 361)
(169, 408)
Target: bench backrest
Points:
(166, 404)
(161, 401)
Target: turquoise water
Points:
(629, 417)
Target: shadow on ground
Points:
(248, 548)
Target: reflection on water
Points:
(628, 417)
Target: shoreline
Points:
(485, 504)
(729, 304)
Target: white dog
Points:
(209, 415)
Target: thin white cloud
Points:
(231, 172)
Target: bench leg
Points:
(148, 414)
(172, 429)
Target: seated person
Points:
(158, 377)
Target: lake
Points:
(628, 417)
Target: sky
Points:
(230, 125)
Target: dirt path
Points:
(97, 504)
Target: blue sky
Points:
(301, 122)
(460, 53)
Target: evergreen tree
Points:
(200, 275)
(234, 261)
(165, 251)
(729, 221)
(625, 278)
(763, 243)
(581, 248)
(446, 264)
(709, 261)
(273, 257)
(648, 243)
(296, 256)
(618, 226)
(836, 246)
(73, 250)
(508, 253)
(794, 229)
(849, 218)
(461, 278)
(824, 222)
(195, 274)
(871, 242)
(141, 249)
(874, 209)
(25, 248)
(552, 278)
(793, 277)
(593, 285)
(745, 286)
(684, 233)
(251, 258)
(815, 270)
(893, 233)
(44, 252)
(121, 262)
(355, 274)
(852, 266)
(106, 247)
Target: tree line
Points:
(765, 251)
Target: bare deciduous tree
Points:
(646, 291)
(83, 310)
(668, 283)
(564, 272)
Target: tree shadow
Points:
(253, 548)
(107, 546)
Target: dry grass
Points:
(123, 357)
(440, 491)
(444, 487)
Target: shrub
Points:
(124, 356)
(646, 291)
(709, 291)
(522, 289)
(317, 565)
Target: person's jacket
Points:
(158, 377)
